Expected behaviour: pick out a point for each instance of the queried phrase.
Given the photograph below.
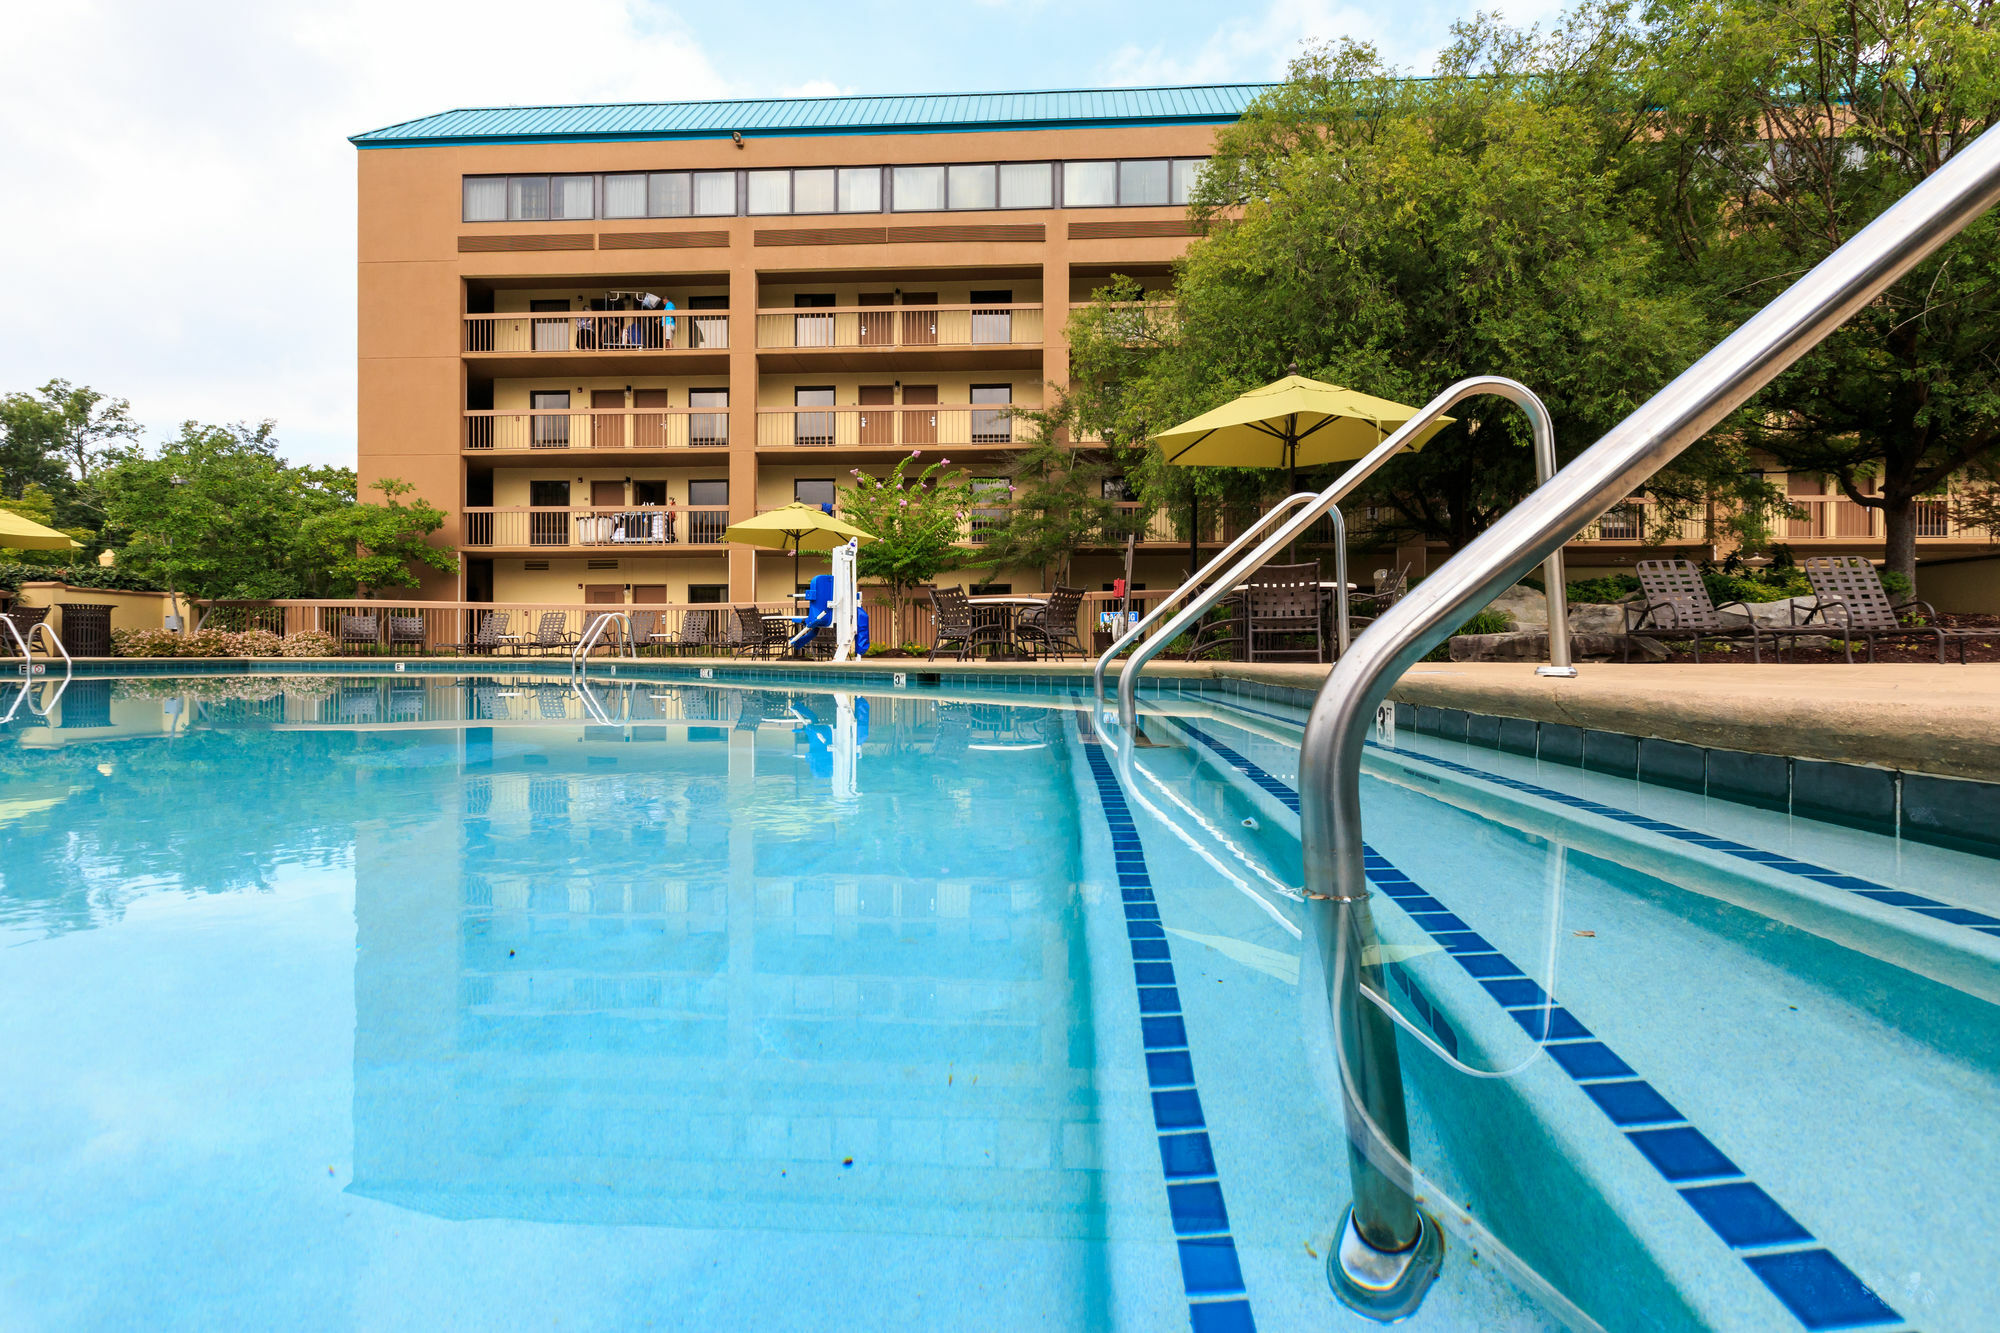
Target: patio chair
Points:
(486, 638)
(699, 632)
(958, 631)
(1853, 604)
(1282, 602)
(645, 624)
(1364, 608)
(25, 619)
(406, 632)
(1675, 604)
(1050, 630)
(757, 636)
(357, 632)
(552, 635)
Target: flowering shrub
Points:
(310, 643)
(916, 517)
(218, 643)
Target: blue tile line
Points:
(1218, 1302)
(1855, 884)
(1819, 1290)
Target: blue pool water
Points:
(383, 1002)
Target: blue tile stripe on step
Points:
(1835, 879)
(1210, 1271)
(1807, 1278)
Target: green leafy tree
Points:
(56, 439)
(1056, 501)
(1781, 131)
(1396, 234)
(359, 548)
(918, 521)
(216, 513)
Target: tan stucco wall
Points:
(563, 581)
(129, 610)
(1972, 587)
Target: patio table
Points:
(1000, 613)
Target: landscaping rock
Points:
(1770, 615)
(1533, 646)
(1527, 609)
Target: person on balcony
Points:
(670, 518)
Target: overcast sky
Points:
(182, 226)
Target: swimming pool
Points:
(450, 1001)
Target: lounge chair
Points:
(25, 619)
(1390, 587)
(699, 633)
(485, 639)
(1050, 629)
(645, 629)
(1853, 604)
(1675, 604)
(357, 632)
(551, 635)
(1276, 603)
(406, 632)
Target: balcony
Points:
(596, 530)
(586, 343)
(665, 429)
(939, 336)
(1638, 524)
(888, 428)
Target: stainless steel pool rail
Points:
(28, 666)
(1201, 576)
(579, 658)
(1383, 1263)
(1543, 433)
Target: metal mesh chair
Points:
(358, 632)
(958, 630)
(486, 638)
(406, 632)
(1051, 629)
(551, 634)
(1853, 604)
(1677, 604)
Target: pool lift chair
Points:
(1389, 1250)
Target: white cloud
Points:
(1251, 47)
(188, 237)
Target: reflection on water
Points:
(729, 957)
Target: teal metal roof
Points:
(1209, 104)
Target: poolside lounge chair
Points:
(357, 632)
(645, 625)
(700, 632)
(25, 619)
(1676, 605)
(1390, 586)
(1050, 630)
(485, 639)
(551, 635)
(1853, 604)
(406, 632)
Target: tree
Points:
(917, 522)
(1396, 234)
(56, 438)
(1782, 130)
(364, 547)
(1056, 501)
(218, 514)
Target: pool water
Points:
(438, 1002)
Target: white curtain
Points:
(812, 191)
(625, 196)
(670, 196)
(919, 189)
(1090, 184)
(861, 189)
(1027, 185)
(715, 193)
(485, 198)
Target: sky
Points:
(181, 232)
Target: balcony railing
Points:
(916, 427)
(597, 428)
(596, 528)
(1644, 523)
(592, 331)
(891, 327)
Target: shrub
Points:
(1487, 621)
(200, 643)
(1610, 588)
(144, 643)
(310, 643)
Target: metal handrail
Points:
(27, 666)
(1195, 580)
(1545, 456)
(579, 658)
(1380, 1263)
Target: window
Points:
(527, 198)
(625, 196)
(1187, 174)
(860, 189)
(708, 429)
(707, 594)
(814, 491)
(918, 189)
(714, 194)
(1027, 185)
(1118, 489)
(549, 426)
(992, 589)
(971, 187)
(669, 195)
(1090, 184)
(485, 198)
(770, 192)
(649, 492)
(573, 196)
(1142, 183)
(991, 426)
(708, 493)
(813, 429)
(812, 191)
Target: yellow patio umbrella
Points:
(20, 533)
(1296, 422)
(799, 526)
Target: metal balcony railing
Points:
(555, 332)
(596, 428)
(900, 327)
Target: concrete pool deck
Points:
(1915, 717)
